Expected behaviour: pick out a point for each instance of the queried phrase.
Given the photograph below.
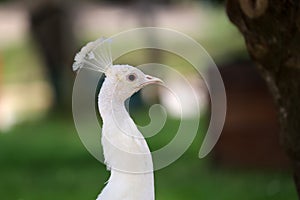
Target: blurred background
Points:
(41, 156)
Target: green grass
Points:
(46, 160)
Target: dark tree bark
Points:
(272, 34)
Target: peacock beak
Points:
(152, 80)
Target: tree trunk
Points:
(272, 34)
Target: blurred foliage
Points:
(162, 2)
(22, 63)
(213, 2)
(126, 2)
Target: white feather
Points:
(95, 55)
(125, 150)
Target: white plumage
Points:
(126, 152)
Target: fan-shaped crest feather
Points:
(95, 55)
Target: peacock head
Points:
(123, 80)
(127, 80)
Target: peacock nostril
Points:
(148, 77)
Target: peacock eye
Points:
(131, 77)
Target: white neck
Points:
(125, 150)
